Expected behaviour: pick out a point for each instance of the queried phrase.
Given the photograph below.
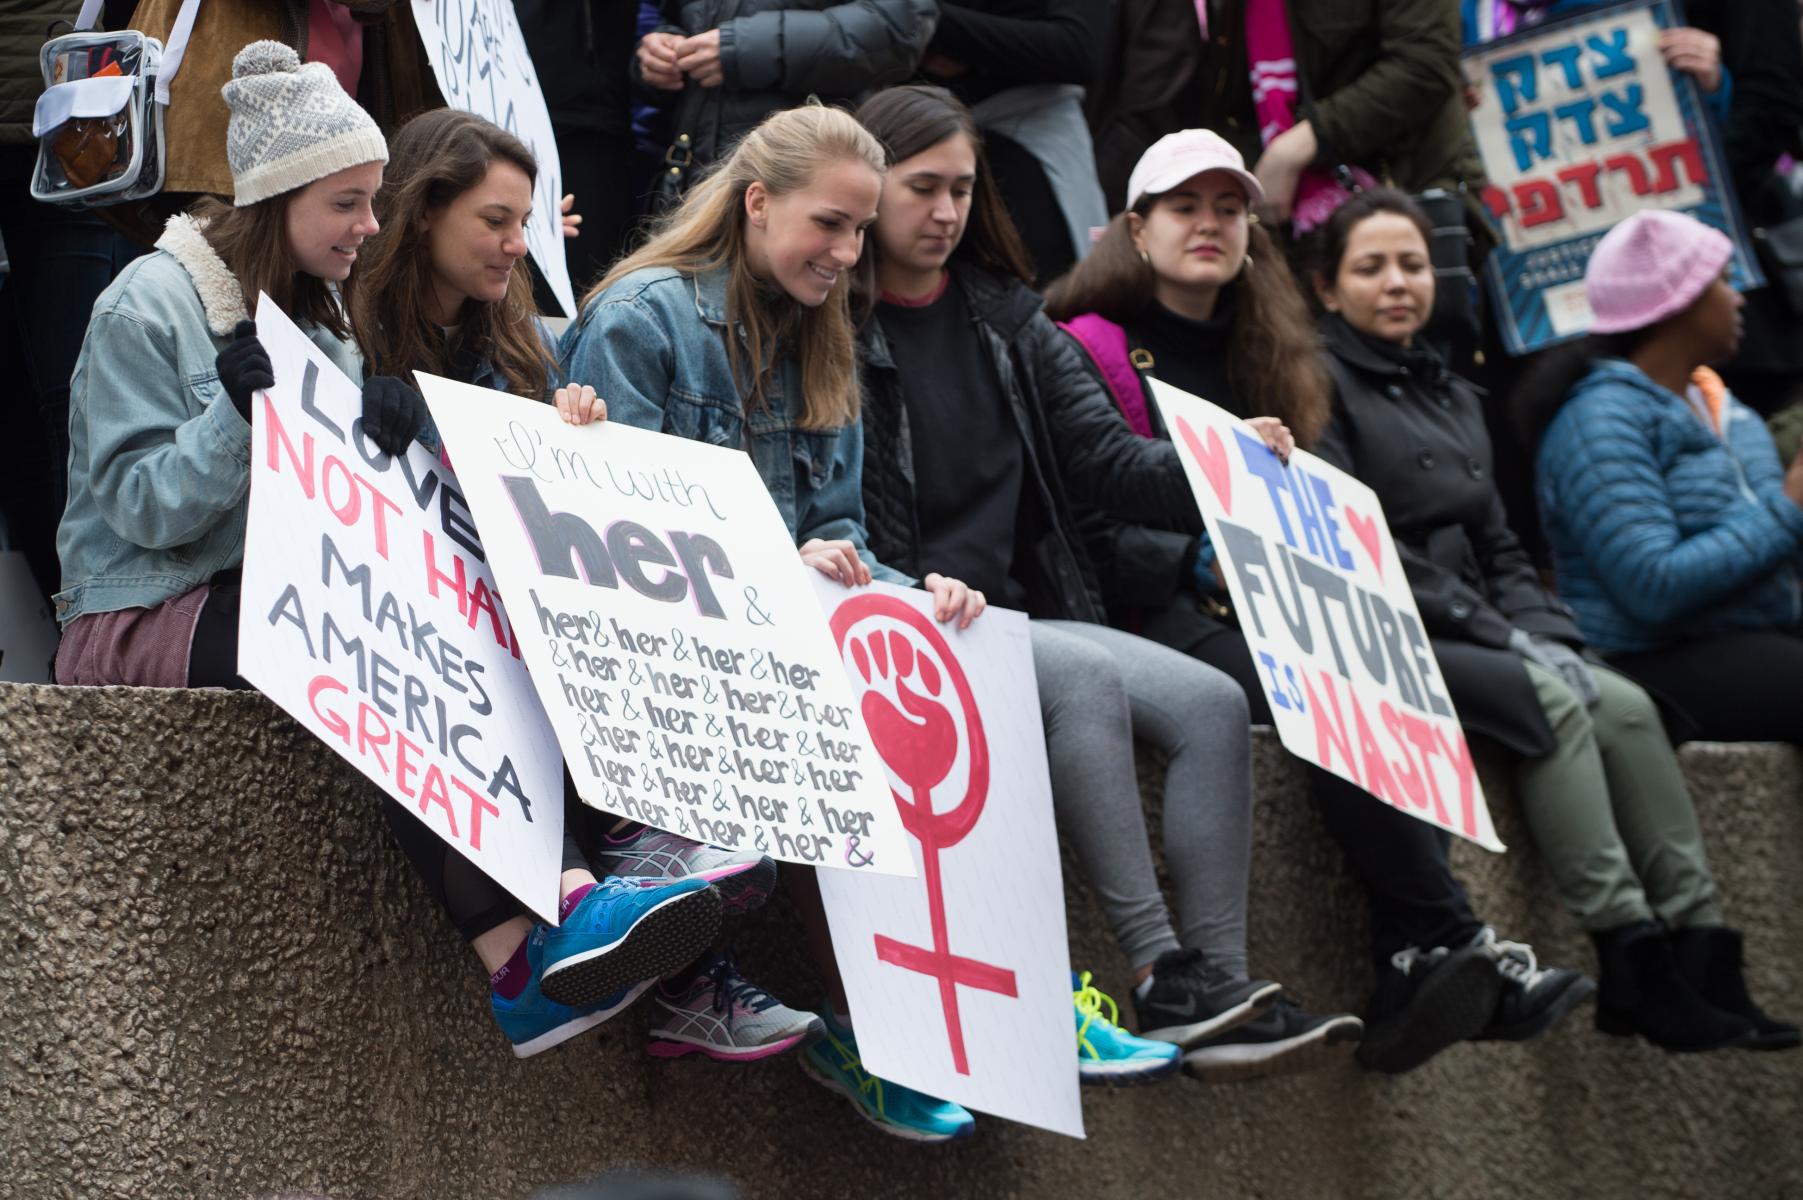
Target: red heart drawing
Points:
(1213, 462)
(1366, 530)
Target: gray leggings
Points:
(1098, 687)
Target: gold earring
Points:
(1247, 267)
(1145, 258)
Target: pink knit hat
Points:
(1650, 266)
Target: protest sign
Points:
(368, 615)
(960, 979)
(1330, 618)
(672, 633)
(1579, 123)
(479, 58)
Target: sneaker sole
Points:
(1580, 990)
(667, 938)
(901, 1132)
(1319, 1049)
(1126, 1074)
(665, 1046)
(582, 1024)
(743, 887)
(1454, 1004)
(1186, 1036)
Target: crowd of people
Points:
(931, 304)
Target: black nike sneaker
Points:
(1191, 999)
(1282, 1040)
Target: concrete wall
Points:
(222, 979)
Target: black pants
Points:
(1735, 687)
(1401, 862)
(475, 902)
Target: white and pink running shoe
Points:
(719, 1013)
(651, 857)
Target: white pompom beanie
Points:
(291, 124)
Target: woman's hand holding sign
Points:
(579, 405)
(1276, 435)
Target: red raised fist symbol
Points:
(918, 740)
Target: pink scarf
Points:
(1271, 55)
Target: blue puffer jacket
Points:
(1659, 528)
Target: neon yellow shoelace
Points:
(849, 1061)
(1089, 1002)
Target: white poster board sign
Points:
(672, 633)
(479, 58)
(959, 980)
(1330, 618)
(369, 616)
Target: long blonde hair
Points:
(706, 233)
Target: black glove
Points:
(393, 414)
(243, 367)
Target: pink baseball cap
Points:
(1178, 156)
(1650, 266)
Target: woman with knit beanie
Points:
(159, 481)
(1675, 528)
(160, 402)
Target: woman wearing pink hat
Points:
(1187, 286)
(1676, 531)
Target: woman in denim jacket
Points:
(159, 417)
(731, 326)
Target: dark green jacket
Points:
(1380, 79)
(23, 29)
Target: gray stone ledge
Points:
(224, 980)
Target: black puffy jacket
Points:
(1077, 446)
(776, 53)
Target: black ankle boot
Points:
(1641, 992)
(1709, 958)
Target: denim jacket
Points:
(654, 347)
(159, 458)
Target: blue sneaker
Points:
(832, 1060)
(533, 1023)
(621, 935)
(1107, 1054)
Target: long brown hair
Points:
(435, 158)
(706, 233)
(1273, 361)
(253, 244)
(914, 118)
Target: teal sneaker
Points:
(534, 1024)
(1108, 1055)
(621, 935)
(832, 1061)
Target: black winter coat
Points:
(776, 53)
(1414, 433)
(1002, 43)
(1076, 446)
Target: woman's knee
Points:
(1625, 709)
(1566, 713)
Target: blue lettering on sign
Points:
(1294, 491)
(1574, 66)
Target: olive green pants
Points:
(1611, 813)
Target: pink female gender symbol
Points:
(919, 744)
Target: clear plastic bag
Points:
(98, 123)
